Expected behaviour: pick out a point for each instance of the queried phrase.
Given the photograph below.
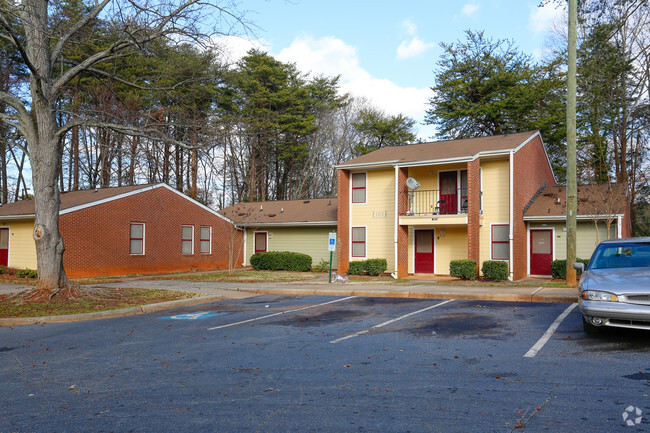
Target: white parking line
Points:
(365, 331)
(549, 332)
(281, 312)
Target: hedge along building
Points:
(125, 230)
(301, 226)
(465, 200)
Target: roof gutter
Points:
(563, 217)
(289, 224)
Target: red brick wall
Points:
(343, 221)
(96, 239)
(473, 210)
(402, 231)
(531, 169)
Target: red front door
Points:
(424, 251)
(448, 203)
(260, 242)
(4, 247)
(541, 252)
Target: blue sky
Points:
(386, 51)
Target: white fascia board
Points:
(291, 224)
(367, 165)
(139, 191)
(543, 148)
(18, 217)
(563, 217)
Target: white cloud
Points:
(469, 9)
(541, 18)
(331, 56)
(409, 27)
(413, 48)
(233, 48)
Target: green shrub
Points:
(375, 267)
(558, 268)
(281, 261)
(322, 266)
(27, 273)
(463, 269)
(495, 270)
(372, 267)
(356, 267)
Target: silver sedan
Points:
(614, 290)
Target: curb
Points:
(511, 297)
(141, 309)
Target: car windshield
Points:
(622, 255)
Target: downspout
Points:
(619, 227)
(395, 234)
(245, 250)
(512, 218)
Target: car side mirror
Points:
(579, 266)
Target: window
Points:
(136, 239)
(500, 242)
(187, 240)
(359, 188)
(358, 241)
(206, 240)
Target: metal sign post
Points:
(331, 246)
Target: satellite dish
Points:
(412, 183)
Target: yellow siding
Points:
(451, 244)
(22, 250)
(428, 175)
(586, 238)
(307, 240)
(378, 216)
(496, 201)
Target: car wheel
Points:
(590, 328)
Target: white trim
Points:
(543, 148)
(435, 254)
(8, 244)
(245, 246)
(209, 240)
(396, 222)
(365, 242)
(352, 202)
(563, 217)
(364, 165)
(183, 240)
(619, 227)
(491, 257)
(144, 231)
(511, 218)
(138, 191)
(291, 224)
(528, 252)
(266, 242)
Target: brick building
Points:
(126, 230)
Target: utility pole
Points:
(571, 183)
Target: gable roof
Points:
(75, 200)
(593, 200)
(460, 150)
(308, 212)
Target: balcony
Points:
(434, 207)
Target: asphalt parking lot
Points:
(277, 363)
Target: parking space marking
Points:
(549, 332)
(281, 312)
(365, 331)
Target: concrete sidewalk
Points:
(423, 289)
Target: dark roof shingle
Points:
(319, 210)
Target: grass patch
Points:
(93, 300)
(244, 276)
